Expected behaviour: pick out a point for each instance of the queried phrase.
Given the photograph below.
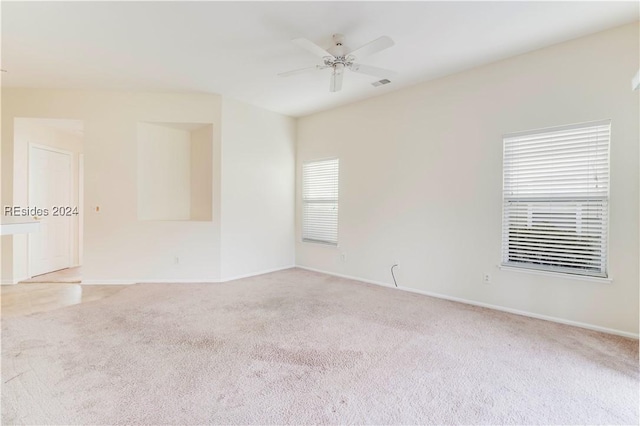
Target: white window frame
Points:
(519, 211)
(311, 234)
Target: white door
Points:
(50, 188)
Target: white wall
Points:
(201, 172)
(117, 246)
(164, 173)
(254, 232)
(421, 178)
(258, 179)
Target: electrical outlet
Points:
(486, 278)
(343, 257)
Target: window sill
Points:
(557, 274)
(320, 243)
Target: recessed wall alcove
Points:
(175, 171)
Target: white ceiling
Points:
(237, 48)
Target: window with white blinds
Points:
(556, 199)
(320, 201)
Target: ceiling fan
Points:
(339, 58)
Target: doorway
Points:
(50, 187)
(55, 166)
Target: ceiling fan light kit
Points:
(338, 58)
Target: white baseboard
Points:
(138, 281)
(349, 277)
(181, 281)
(107, 282)
(485, 305)
(266, 271)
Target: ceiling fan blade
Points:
(372, 47)
(302, 70)
(312, 47)
(336, 82)
(374, 71)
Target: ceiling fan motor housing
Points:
(338, 49)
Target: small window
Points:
(320, 201)
(556, 199)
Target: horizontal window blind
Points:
(320, 201)
(556, 199)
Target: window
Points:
(320, 201)
(556, 199)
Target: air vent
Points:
(381, 82)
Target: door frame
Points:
(32, 146)
(80, 233)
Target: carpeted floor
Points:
(302, 347)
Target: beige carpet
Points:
(301, 347)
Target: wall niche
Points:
(175, 171)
